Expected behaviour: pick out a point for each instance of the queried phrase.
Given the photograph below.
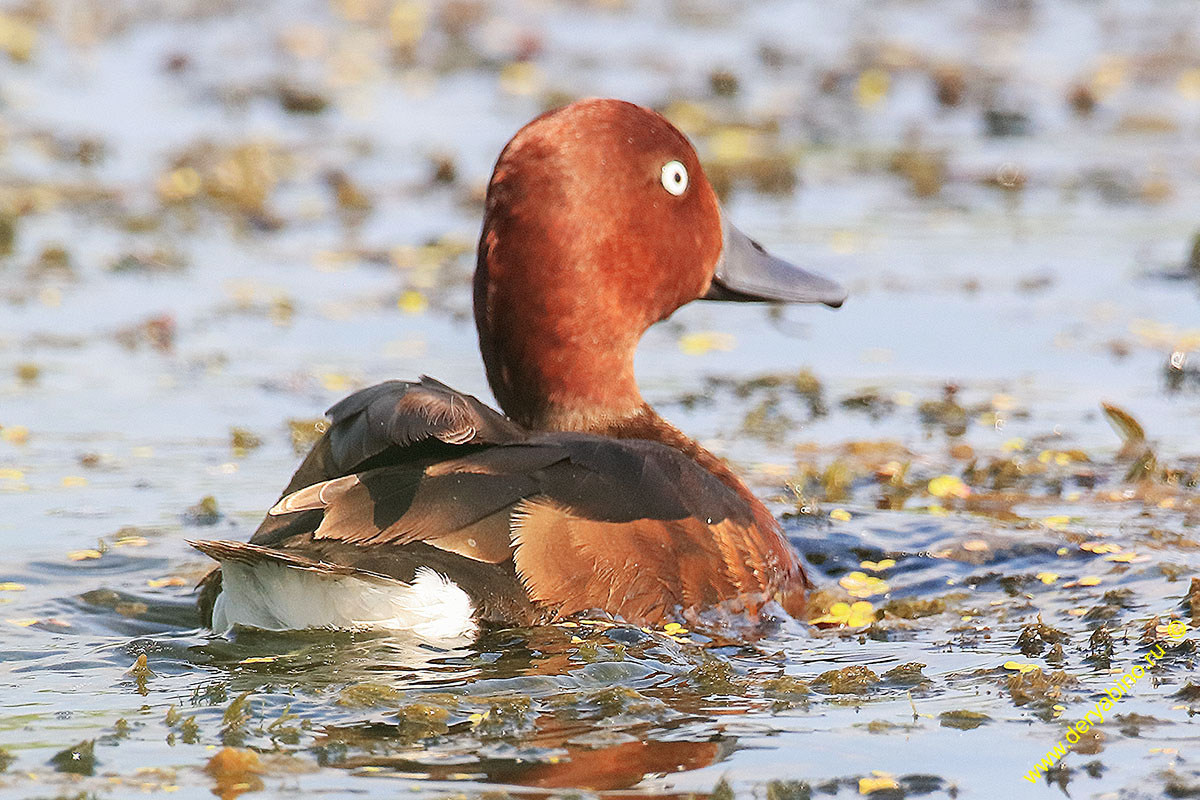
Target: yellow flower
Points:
(873, 86)
(412, 302)
(945, 486)
(879, 781)
(1017, 666)
(857, 615)
(701, 342)
(860, 584)
(840, 514)
(1056, 522)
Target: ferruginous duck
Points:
(421, 509)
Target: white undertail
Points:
(274, 597)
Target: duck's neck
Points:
(607, 404)
(545, 384)
(557, 361)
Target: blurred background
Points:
(219, 217)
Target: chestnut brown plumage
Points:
(581, 498)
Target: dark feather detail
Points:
(251, 554)
(313, 497)
(531, 525)
(400, 413)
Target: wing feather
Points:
(633, 527)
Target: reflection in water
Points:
(556, 754)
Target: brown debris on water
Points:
(235, 771)
(157, 261)
(716, 676)
(296, 99)
(18, 34)
(368, 695)
(156, 332)
(723, 83)
(1191, 600)
(418, 721)
(28, 373)
(1034, 638)
(949, 85)
(304, 433)
(871, 401)
(1090, 742)
(1192, 264)
(945, 413)
(1038, 688)
(351, 200)
(243, 441)
(855, 679)
(8, 233)
(1189, 692)
(918, 607)
(908, 675)
(235, 719)
(52, 263)
(963, 719)
(925, 170)
(239, 179)
(1082, 100)
(443, 171)
(204, 513)
(786, 688)
(79, 759)
(140, 671)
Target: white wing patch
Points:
(274, 597)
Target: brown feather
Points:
(528, 523)
(645, 571)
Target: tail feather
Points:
(276, 590)
(252, 554)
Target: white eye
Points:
(674, 177)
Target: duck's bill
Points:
(746, 272)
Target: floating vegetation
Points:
(79, 759)
(963, 719)
(203, 513)
(985, 457)
(848, 680)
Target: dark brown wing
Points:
(631, 527)
(532, 526)
(391, 422)
(401, 414)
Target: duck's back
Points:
(416, 480)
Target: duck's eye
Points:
(674, 177)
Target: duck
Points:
(423, 510)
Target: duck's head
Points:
(599, 223)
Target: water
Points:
(243, 294)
